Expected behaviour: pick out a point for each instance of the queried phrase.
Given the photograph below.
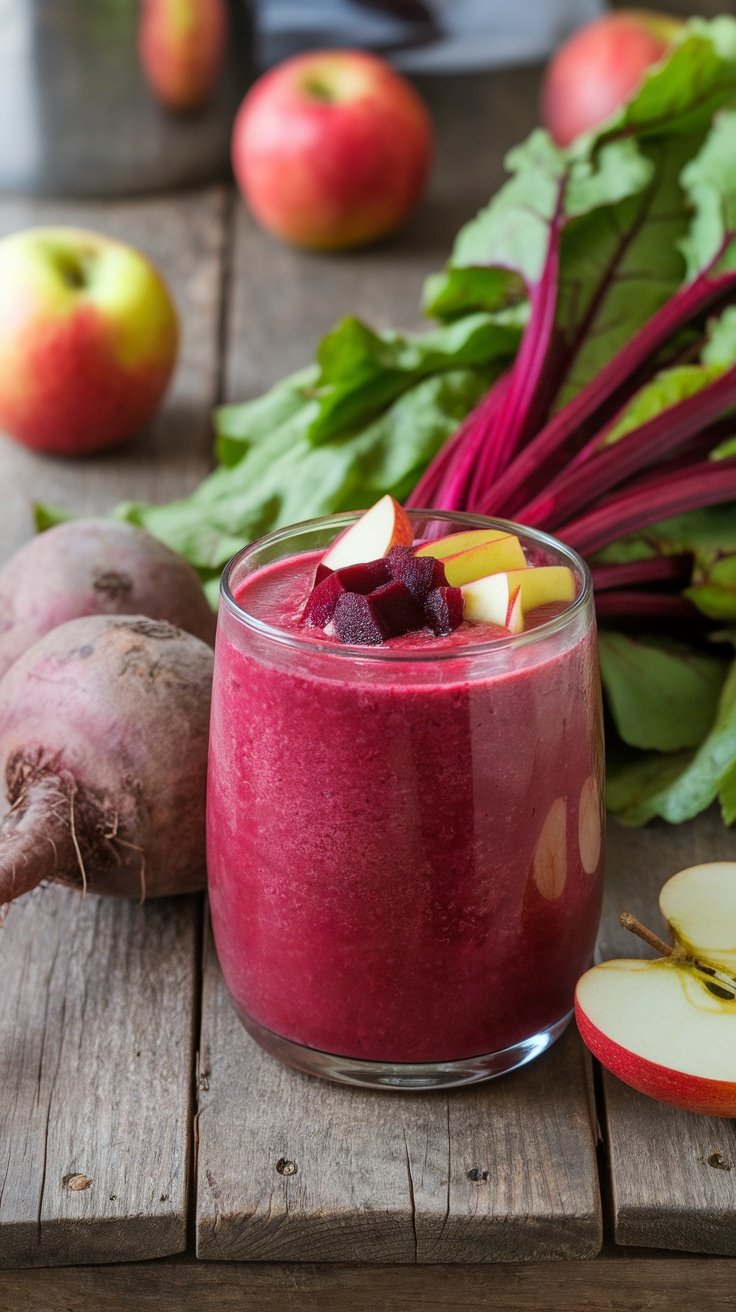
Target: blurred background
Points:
(96, 100)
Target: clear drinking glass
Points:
(404, 845)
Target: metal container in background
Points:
(78, 116)
(424, 36)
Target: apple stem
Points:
(635, 926)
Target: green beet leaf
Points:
(361, 372)
(680, 787)
(663, 695)
(282, 478)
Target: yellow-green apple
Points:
(385, 525)
(667, 1027)
(599, 67)
(88, 340)
(331, 149)
(181, 45)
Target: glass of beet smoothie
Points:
(405, 805)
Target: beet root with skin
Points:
(104, 726)
(95, 567)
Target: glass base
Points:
(404, 1075)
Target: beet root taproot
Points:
(104, 726)
(95, 567)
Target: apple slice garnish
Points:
(540, 585)
(502, 553)
(454, 543)
(667, 1026)
(486, 600)
(515, 612)
(384, 526)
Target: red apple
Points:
(181, 45)
(88, 340)
(599, 67)
(331, 149)
(667, 1027)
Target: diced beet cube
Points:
(321, 573)
(355, 620)
(443, 609)
(420, 573)
(365, 577)
(322, 601)
(397, 610)
(396, 555)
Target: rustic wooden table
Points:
(212, 1177)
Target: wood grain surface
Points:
(608, 1284)
(96, 1048)
(673, 1174)
(505, 1171)
(99, 999)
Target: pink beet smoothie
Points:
(404, 849)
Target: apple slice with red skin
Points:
(385, 525)
(454, 543)
(476, 562)
(667, 1026)
(542, 584)
(509, 595)
(486, 600)
(515, 612)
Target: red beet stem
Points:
(658, 569)
(709, 483)
(641, 604)
(531, 388)
(615, 378)
(599, 468)
(451, 469)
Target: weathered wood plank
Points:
(673, 1174)
(502, 1172)
(97, 1012)
(383, 1177)
(96, 1040)
(608, 1284)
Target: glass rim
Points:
(354, 651)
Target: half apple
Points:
(667, 1027)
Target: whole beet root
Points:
(95, 567)
(103, 752)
